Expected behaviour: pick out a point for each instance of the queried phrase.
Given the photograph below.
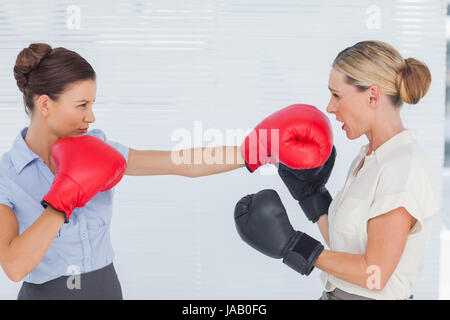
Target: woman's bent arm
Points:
(20, 254)
(387, 236)
(322, 223)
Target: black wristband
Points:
(45, 204)
(316, 205)
(302, 252)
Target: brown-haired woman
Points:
(72, 260)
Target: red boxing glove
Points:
(303, 139)
(86, 165)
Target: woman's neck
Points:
(40, 141)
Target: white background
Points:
(162, 65)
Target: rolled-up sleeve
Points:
(124, 150)
(5, 193)
(409, 187)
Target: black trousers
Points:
(102, 284)
(338, 294)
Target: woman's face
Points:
(72, 111)
(349, 105)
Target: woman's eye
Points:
(335, 95)
(83, 105)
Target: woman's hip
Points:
(102, 284)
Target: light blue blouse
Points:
(83, 244)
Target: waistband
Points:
(99, 284)
(338, 294)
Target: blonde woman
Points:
(375, 227)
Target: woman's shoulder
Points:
(5, 164)
(407, 164)
(97, 133)
(406, 156)
(7, 174)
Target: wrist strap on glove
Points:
(302, 252)
(316, 205)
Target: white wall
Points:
(162, 65)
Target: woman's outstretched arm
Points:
(195, 162)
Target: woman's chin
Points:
(349, 134)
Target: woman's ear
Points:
(374, 96)
(42, 104)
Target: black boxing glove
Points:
(307, 186)
(262, 222)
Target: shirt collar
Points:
(401, 138)
(21, 154)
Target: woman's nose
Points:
(331, 108)
(90, 117)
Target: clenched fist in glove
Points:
(85, 166)
(299, 136)
(307, 186)
(262, 222)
